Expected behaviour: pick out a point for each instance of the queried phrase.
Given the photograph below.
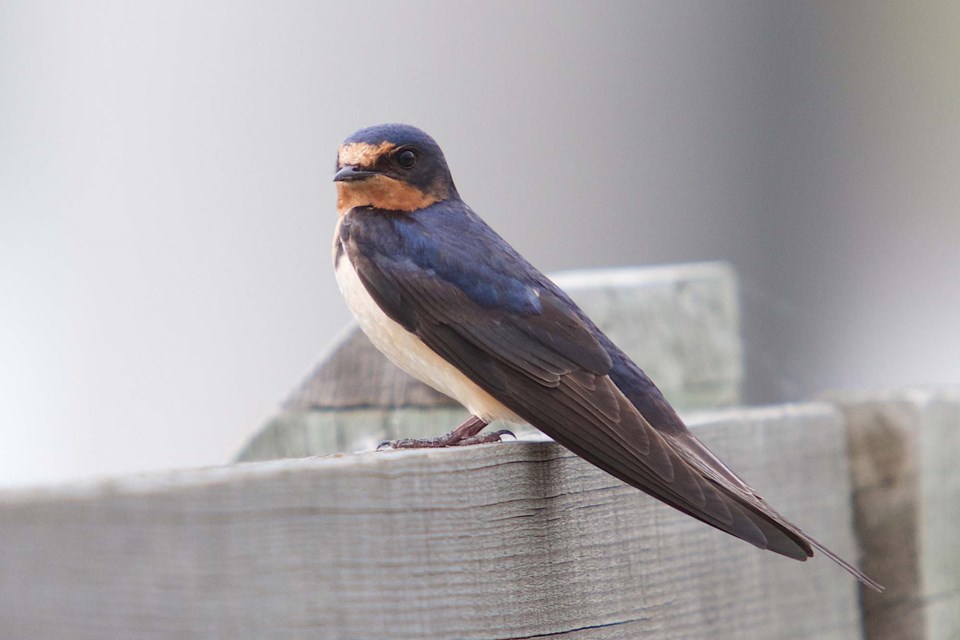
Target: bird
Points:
(449, 301)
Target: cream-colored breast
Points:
(409, 353)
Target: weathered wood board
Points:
(905, 448)
(511, 540)
(680, 323)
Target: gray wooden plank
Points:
(681, 323)
(904, 449)
(513, 540)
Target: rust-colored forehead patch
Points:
(363, 154)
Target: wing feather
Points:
(549, 368)
(524, 342)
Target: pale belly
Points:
(409, 353)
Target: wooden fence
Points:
(512, 540)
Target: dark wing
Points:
(485, 310)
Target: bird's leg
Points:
(465, 434)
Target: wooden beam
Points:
(681, 323)
(905, 447)
(511, 540)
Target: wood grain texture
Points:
(904, 449)
(512, 540)
(680, 323)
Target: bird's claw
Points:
(445, 441)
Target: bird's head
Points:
(394, 167)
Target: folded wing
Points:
(536, 353)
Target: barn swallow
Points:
(452, 304)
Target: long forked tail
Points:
(782, 536)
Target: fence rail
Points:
(512, 540)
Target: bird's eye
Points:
(407, 158)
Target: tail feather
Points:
(783, 536)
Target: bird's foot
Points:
(466, 434)
(445, 441)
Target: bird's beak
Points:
(351, 172)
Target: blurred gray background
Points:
(166, 208)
